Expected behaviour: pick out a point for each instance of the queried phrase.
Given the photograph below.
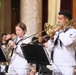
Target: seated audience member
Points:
(3, 40)
(8, 37)
(13, 35)
(40, 40)
(35, 40)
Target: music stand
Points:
(2, 59)
(35, 54)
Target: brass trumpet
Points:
(49, 28)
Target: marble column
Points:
(31, 15)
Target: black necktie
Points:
(65, 30)
(56, 42)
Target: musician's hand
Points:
(31, 73)
(59, 28)
(11, 43)
(3, 46)
(32, 70)
(52, 35)
(75, 71)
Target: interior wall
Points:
(1, 16)
(15, 14)
(53, 9)
(44, 14)
(5, 16)
(74, 10)
(66, 5)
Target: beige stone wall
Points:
(31, 15)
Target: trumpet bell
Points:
(49, 28)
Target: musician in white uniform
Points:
(63, 43)
(18, 64)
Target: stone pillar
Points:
(31, 15)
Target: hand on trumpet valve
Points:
(58, 28)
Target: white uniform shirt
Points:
(65, 55)
(18, 61)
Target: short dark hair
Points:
(66, 13)
(3, 34)
(35, 40)
(45, 39)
